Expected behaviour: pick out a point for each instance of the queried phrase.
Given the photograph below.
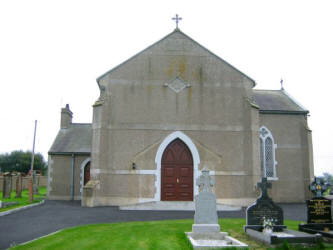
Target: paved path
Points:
(55, 215)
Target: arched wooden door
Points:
(86, 173)
(177, 172)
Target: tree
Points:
(328, 178)
(20, 161)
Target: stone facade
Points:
(178, 89)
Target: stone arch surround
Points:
(158, 159)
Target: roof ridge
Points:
(293, 100)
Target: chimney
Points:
(66, 117)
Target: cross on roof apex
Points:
(281, 82)
(177, 19)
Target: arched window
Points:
(267, 154)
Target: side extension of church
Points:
(167, 113)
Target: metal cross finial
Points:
(177, 19)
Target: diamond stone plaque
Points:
(177, 85)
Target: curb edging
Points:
(21, 208)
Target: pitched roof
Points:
(75, 139)
(276, 101)
(164, 38)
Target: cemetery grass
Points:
(24, 200)
(168, 234)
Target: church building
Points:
(170, 111)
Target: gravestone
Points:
(205, 202)
(264, 221)
(264, 208)
(18, 185)
(206, 230)
(7, 185)
(319, 211)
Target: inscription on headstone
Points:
(319, 210)
(264, 208)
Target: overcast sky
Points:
(51, 53)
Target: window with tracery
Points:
(267, 153)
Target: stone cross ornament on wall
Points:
(318, 187)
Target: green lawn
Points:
(24, 200)
(139, 235)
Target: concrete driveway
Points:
(41, 220)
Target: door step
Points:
(174, 205)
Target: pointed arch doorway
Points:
(177, 172)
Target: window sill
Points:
(272, 178)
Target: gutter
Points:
(69, 153)
(284, 112)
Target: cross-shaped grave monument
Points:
(206, 230)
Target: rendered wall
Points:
(293, 154)
(60, 176)
(137, 111)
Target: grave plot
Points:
(206, 230)
(319, 211)
(264, 222)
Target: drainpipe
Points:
(72, 175)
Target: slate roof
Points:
(276, 101)
(75, 139)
